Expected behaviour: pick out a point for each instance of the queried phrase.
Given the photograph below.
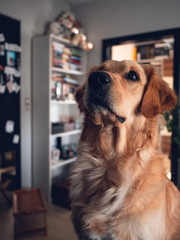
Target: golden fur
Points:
(119, 186)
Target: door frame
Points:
(156, 35)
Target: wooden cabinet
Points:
(168, 67)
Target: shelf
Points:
(60, 39)
(148, 60)
(63, 162)
(65, 41)
(63, 134)
(61, 102)
(72, 72)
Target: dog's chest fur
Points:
(109, 197)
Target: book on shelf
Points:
(157, 51)
(60, 127)
(64, 78)
(63, 86)
(71, 80)
(75, 59)
(145, 52)
(161, 50)
(57, 51)
(67, 58)
(57, 76)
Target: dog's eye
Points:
(132, 75)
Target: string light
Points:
(89, 46)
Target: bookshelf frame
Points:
(42, 137)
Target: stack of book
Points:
(64, 57)
(145, 52)
(157, 51)
(57, 51)
(63, 87)
(162, 50)
(75, 59)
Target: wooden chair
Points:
(29, 210)
(3, 187)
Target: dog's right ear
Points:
(158, 96)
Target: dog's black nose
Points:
(98, 79)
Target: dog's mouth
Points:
(98, 96)
(99, 105)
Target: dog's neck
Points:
(136, 141)
(135, 137)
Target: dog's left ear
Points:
(158, 96)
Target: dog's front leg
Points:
(81, 231)
(77, 220)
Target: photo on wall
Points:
(11, 58)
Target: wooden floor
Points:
(59, 226)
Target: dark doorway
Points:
(10, 74)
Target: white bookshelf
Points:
(68, 102)
(61, 163)
(72, 72)
(68, 133)
(45, 111)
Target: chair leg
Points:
(6, 198)
(15, 230)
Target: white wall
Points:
(33, 15)
(106, 19)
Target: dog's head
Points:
(116, 92)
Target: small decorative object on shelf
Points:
(67, 26)
(60, 127)
(68, 151)
(55, 155)
(66, 124)
(63, 86)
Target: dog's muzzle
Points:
(98, 94)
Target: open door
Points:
(161, 50)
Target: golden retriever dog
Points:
(119, 185)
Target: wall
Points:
(106, 19)
(33, 16)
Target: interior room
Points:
(46, 50)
